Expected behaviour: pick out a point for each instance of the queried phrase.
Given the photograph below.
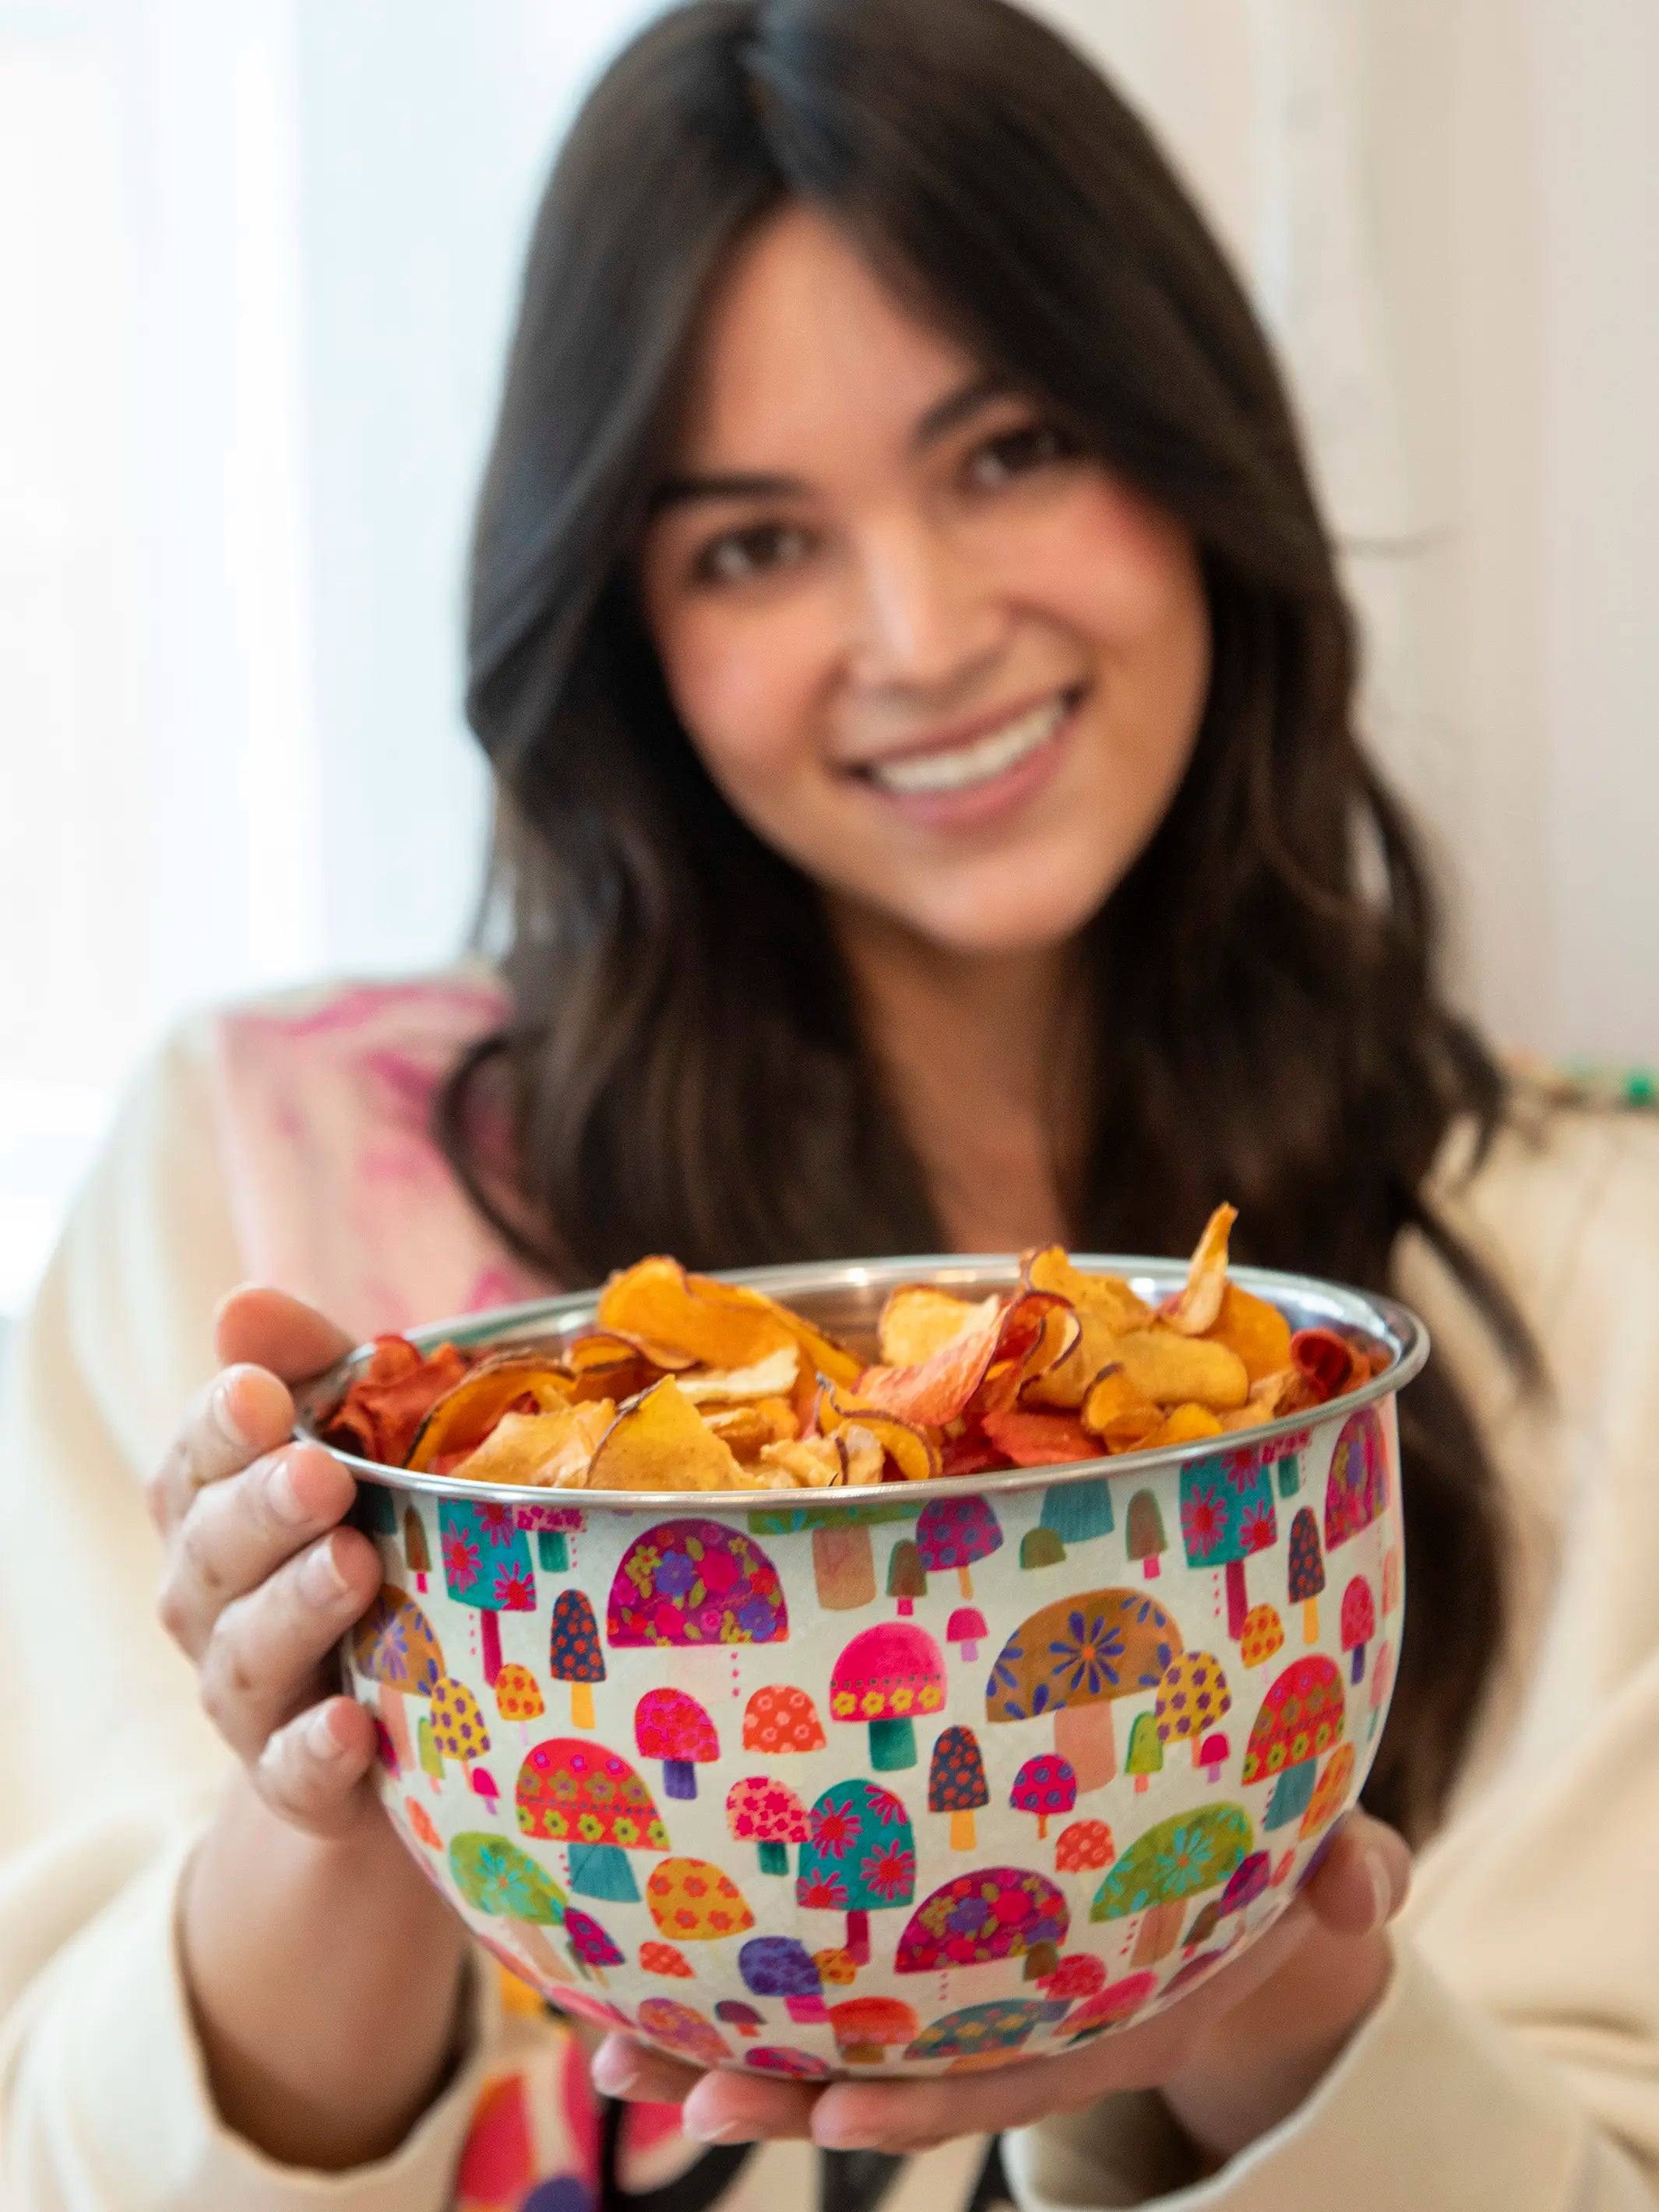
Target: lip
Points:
(964, 733)
(980, 804)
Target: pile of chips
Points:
(685, 1382)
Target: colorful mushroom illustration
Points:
(1192, 1697)
(955, 1782)
(1178, 1859)
(1330, 1792)
(552, 1527)
(573, 1654)
(1303, 1715)
(1119, 2002)
(955, 1532)
(394, 1645)
(590, 1947)
(1381, 1677)
(1306, 1571)
(682, 2029)
(1077, 1512)
(672, 1726)
(667, 1958)
(906, 1578)
(780, 1718)
(859, 1858)
(1084, 1847)
(867, 2028)
(991, 1913)
(1393, 1578)
(1227, 1515)
(693, 1902)
(1146, 1757)
(798, 2065)
(884, 1677)
(779, 1966)
(496, 1876)
(591, 1800)
(967, 1631)
(1356, 1488)
(1072, 1659)
(695, 1581)
(486, 1565)
(518, 1697)
(1078, 1975)
(980, 2034)
(1045, 1786)
(765, 1812)
(415, 1554)
(457, 1725)
(421, 1824)
(1263, 1635)
(1359, 1624)
(1040, 1547)
(483, 1784)
(431, 1759)
(1143, 1533)
(732, 2012)
(1248, 1881)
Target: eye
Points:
(1016, 452)
(738, 556)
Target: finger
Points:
(1364, 1879)
(730, 2107)
(312, 1771)
(238, 1533)
(243, 1412)
(267, 1327)
(633, 2071)
(263, 1659)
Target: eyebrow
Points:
(944, 416)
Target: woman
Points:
(921, 701)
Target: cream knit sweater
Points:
(1513, 2063)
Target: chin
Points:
(1035, 913)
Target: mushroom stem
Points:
(1357, 1672)
(552, 1552)
(1084, 1737)
(490, 1627)
(679, 1778)
(863, 2054)
(539, 1953)
(1237, 1599)
(961, 1832)
(774, 1858)
(1149, 1566)
(581, 1705)
(1160, 1930)
(966, 1580)
(1310, 1621)
(396, 1724)
(809, 2011)
(892, 1744)
(858, 1937)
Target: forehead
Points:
(803, 343)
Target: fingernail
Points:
(723, 2132)
(615, 2069)
(231, 1427)
(284, 1497)
(1382, 1888)
(320, 1579)
(320, 1738)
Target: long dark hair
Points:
(682, 1069)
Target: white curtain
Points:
(258, 260)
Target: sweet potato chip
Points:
(1196, 1308)
(1066, 1383)
(821, 1352)
(1118, 1413)
(550, 1451)
(1051, 1269)
(660, 1442)
(1182, 1424)
(465, 1416)
(1257, 1332)
(657, 1301)
(917, 1322)
(611, 1347)
(909, 1447)
(1170, 1368)
(1032, 1439)
(767, 1378)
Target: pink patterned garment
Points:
(341, 1196)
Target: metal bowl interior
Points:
(846, 1298)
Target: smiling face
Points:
(950, 667)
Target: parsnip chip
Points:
(660, 1442)
(1196, 1307)
(549, 1451)
(768, 1378)
(1170, 1368)
(918, 1320)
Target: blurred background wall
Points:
(257, 260)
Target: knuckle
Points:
(197, 1549)
(172, 1610)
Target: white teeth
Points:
(963, 766)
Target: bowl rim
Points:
(1378, 1316)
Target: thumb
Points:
(1362, 1880)
(268, 1329)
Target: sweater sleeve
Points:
(1513, 2064)
(108, 1768)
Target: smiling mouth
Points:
(981, 760)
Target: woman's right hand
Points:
(261, 1580)
(323, 1972)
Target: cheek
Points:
(744, 681)
(1115, 570)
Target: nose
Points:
(924, 622)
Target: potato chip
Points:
(465, 1415)
(917, 1322)
(1257, 1332)
(1118, 1413)
(803, 1463)
(660, 1442)
(1182, 1425)
(748, 1429)
(1196, 1308)
(908, 1445)
(767, 1378)
(1051, 1269)
(866, 1459)
(1170, 1368)
(550, 1451)
(1032, 1439)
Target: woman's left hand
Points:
(1231, 2059)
